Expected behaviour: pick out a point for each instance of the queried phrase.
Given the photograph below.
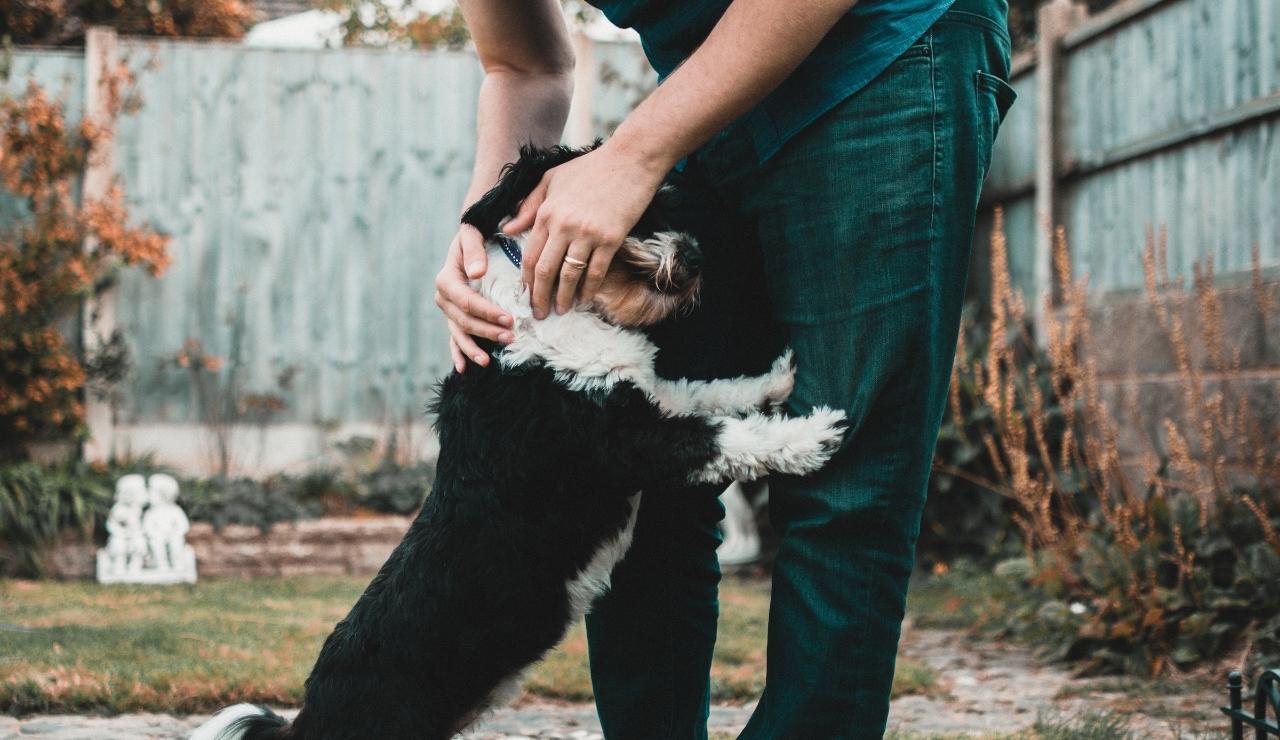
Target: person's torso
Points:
(860, 46)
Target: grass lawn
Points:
(81, 647)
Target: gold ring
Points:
(575, 263)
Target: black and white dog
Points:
(543, 455)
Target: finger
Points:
(458, 313)
(545, 274)
(455, 291)
(532, 251)
(595, 272)
(525, 217)
(459, 361)
(475, 327)
(571, 275)
(474, 258)
(468, 346)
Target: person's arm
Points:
(586, 207)
(528, 63)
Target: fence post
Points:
(1053, 21)
(97, 320)
(1235, 690)
(578, 130)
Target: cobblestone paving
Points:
(985, 688)
(992, 688)
(541, 721)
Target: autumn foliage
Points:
(57, 254)
(63, 22)
(1165, 538)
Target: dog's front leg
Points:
(644, 446)
(753, 446)
(730, 396)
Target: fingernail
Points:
(479, 359)
(506, 321)
(539, 314)
(506, 337)
(474, 267)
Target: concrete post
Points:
(1053, 22)
(578, 130)
(98, 316)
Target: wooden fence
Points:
(1156, 113)
(310, 196)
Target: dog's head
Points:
(654, 275)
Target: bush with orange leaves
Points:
(1153, 559)
(398, 23)
(46, 271)
(63, 22)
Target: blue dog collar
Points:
(509, 248)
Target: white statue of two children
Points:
(147, 534)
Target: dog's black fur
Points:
(533, 479)
(527, 490)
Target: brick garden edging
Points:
(331, 546)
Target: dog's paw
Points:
(811, 441)
(780, 380)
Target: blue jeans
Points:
(858, 232)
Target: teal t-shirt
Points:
(860, 46)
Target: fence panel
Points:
(310, 197)
(1167, 114)
(1152, 115)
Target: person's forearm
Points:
(527, 57)
(751, 50)
(516, 108)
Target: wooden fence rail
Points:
(1156, 113)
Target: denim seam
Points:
(933, 281)
(966, 18)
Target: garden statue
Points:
(741, 544)
(147, 546)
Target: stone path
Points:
(984, 688)
(988, 687)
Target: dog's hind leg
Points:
(730, 396)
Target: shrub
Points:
(1171, 555)
(41, 505)
(391, 489)
(964, 517)
(37, 504)
(398, 23)
(63, 22)
(46, 267)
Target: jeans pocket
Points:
(1001, 92)
(994, 97)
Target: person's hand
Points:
(578, 216)
(467, 312)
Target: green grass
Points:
(1087, 726)
(960, 600)
(82, 647)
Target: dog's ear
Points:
(518, 179)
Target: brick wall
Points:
(1138, 367)
(338, 546)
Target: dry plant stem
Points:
(1214, 450)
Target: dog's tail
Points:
(245, 722)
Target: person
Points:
(842, 146)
